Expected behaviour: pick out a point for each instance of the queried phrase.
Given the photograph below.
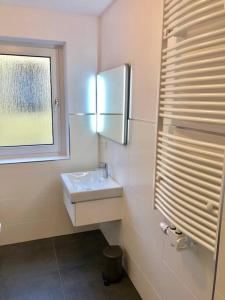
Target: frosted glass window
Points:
(25, 101)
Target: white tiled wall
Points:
(130, 31)
(31, 205)
(30, 194)
(220, 280)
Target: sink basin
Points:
(87, 186)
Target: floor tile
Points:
(1, 292)
(27, 259)
(62, 268)
(80, 248)
(85, 283)
(124, 290)
(45, 287)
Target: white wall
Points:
(220, 280)
(130, 31)
(30, 194)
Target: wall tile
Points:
(130, 32)
(141, 281)
(23, 209)
(174, 288)
(21, 232)
(220, 280)
(195, 268)
(218, 297)
(30, 194)
(139, 250)
(143, 54)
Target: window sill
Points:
(19, 160)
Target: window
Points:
(32, 114)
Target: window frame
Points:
(59, 147)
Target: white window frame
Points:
(59, 148)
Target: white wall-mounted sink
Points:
(85, 186)
(89, 198)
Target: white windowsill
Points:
(33, 159)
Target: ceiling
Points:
(90, 7)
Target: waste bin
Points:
(113, 270)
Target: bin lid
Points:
(113, 252)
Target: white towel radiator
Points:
(189, 181)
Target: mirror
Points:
(113, 93)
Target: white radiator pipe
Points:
(194, 188)
(202, 231)
(183, 10)
(196, 38)
(184, 208)
(195, 22)
(193, 119)
(192, 164)
(194, 95)
(171, 11)
(199, 54)
(210, 215)
(191, 196)
(186, 229)
(193, 103)
(190, 178)
(197, 174)
(194, 142)
(194, 14)
(193, 87)
(197, 46)
(189, 156)
(193, 111)
(202, 71)
(203, 62)
(171, 5)
(191, 148)
(193, 79)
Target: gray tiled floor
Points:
(61, 268)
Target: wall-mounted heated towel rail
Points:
(189, 183)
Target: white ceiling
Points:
(90, 7)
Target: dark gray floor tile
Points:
(45, 287)
(27, 259)
(124, 290)
(50, 269)
(1, 291)
(83, 282)
(80, 248)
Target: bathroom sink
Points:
(91, 185)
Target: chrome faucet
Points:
(104, 167)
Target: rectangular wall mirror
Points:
(113, 95)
